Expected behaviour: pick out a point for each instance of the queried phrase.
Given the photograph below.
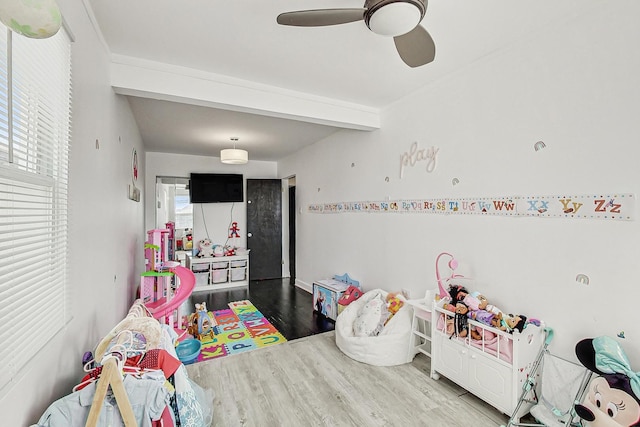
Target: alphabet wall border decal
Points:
(614, 206)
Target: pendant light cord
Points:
(204, 221)
(230, 222)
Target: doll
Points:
(457, 293)
(476, 299)
(513, 322)
(473, 301)
(488, 318)
(481, 311)
(234, 230)
(462, 323)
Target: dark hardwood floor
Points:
(287, 307)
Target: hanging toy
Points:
(233, 231)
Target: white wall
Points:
(106, 239)
(212, 219)
(573, 86)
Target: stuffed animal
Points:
(206, 248)
(613, 396)
(218, 250)
(371, 318)
(394, 303)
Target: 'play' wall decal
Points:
(415, 155)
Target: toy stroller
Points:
(560, 384)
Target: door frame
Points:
(287, 182)
(286, 219)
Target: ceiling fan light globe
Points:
(37, 19)
(394, 19)
(233, 156)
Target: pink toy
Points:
(156, 249)
(453, 264)
(351, 294)
(164, 307)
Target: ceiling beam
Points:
(148, 79)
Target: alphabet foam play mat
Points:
(241, 327)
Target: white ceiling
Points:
(346, 64)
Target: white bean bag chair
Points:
(389, 348)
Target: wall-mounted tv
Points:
(216, 188)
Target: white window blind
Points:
(35, 119)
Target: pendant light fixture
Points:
(234, 156)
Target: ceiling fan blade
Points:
(320, 17)
(416, 48)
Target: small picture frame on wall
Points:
(134, 192)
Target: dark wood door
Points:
(264, 228)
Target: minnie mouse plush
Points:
(612, 398)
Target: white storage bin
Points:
(202, 278)
(219, 264)
(200, 267)
(218, 276)
(239, 263)
(238, 274)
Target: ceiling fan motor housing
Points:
(393, 17)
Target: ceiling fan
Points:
(397, 18)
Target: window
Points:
(35, 118)
(184, 210)
(173, 204)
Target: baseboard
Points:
(304, 286)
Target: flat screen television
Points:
(216, 188)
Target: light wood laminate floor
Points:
(310, 382)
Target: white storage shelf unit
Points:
(484, 366)
(219, 272)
